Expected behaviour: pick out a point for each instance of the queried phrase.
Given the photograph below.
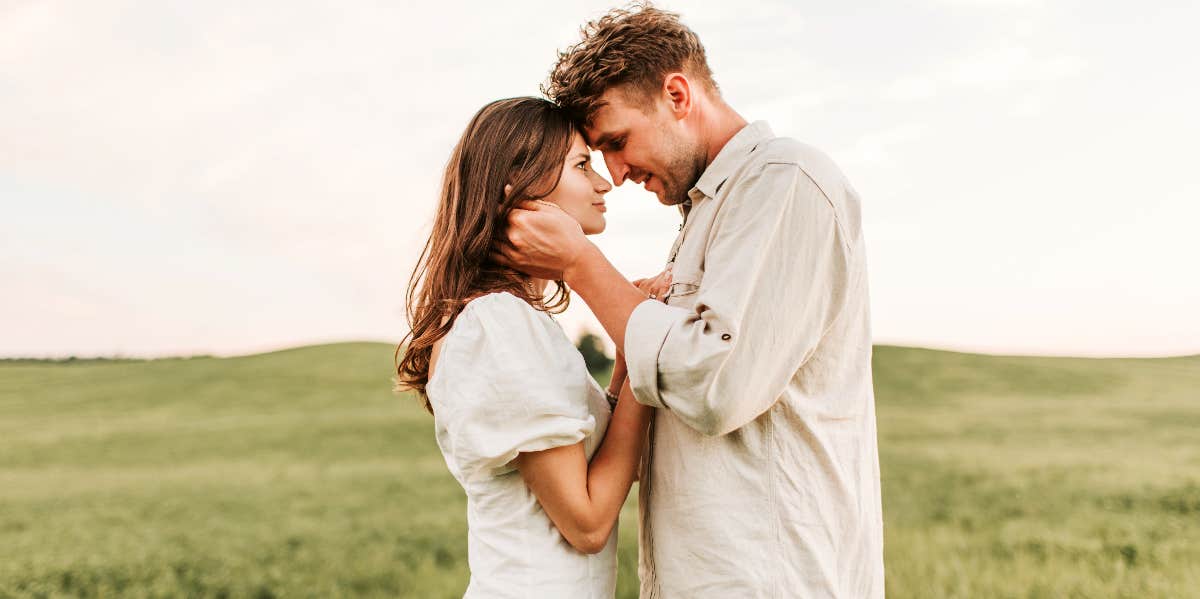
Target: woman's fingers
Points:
(662, 283)
(655, 287)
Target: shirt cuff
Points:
(645, 334)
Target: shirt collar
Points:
(729, 158)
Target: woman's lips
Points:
(600, 206)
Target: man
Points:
(762, 474)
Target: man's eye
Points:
(618, 143)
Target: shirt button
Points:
(726, 337)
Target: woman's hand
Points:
(656, 287)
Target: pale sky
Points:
(230, 177)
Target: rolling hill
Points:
(299, 474)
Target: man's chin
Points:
(666, 200)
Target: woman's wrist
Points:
(612, 398)
(615, 384)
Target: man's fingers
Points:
(500, 259)
(504, 244)
(505, 254)
(533, 206)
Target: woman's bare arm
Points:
(584, 500)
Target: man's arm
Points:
(775, 279)
(610, 297)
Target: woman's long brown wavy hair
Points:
(521, 142)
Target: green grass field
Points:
(299, 474)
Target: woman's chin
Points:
(595, 228)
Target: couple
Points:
(742, 393)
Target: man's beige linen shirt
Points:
(762, 475)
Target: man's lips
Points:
(645, 182)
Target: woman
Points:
(544, 458)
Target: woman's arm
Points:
(615, 382)
(619, 373)
(585, 500)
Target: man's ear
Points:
(679, 93)
(507, 189)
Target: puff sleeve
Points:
(509, 381)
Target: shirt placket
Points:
(650, 591)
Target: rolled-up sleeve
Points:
(649, 325)
(775, 277)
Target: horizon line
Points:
(274, 348)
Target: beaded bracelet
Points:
(612, 399)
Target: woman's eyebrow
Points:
(583, 156)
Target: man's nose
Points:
(617, 168)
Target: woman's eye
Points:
(582, 165)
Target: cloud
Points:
(989, 70)
(877, 147)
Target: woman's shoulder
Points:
(499, 348)
(500, 320)
(499, 312)
(502, 302)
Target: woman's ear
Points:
(507, 189)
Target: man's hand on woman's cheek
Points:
(543, 240)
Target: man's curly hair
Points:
(636, 45)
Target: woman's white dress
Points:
(509, 380)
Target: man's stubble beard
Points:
(686, 165)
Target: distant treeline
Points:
(94, 359)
